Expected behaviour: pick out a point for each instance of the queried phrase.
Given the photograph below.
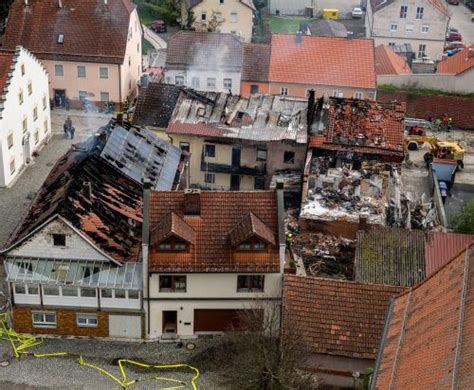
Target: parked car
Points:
(357, 13)
(453, 2)
(454, 36)
(454, 45)
(158, 26)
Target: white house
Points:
(421, 23)
(25, 122)
(210, 257)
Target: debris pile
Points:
(324, 255)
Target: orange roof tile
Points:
(249, 226)
(389, 62)
(459, 62)
(336, 317)
(219, 213)
(319, 60)
(429, 342)
(171, 224)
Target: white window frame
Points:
(421, 53)
(393, 27)
(211, 82)
(425, 29)
(79, 74)
(358, 95)
(419, 13)
(102, 97)
(58, 67)
(229, 83)
(403, 11)
(409, 28)
(44, 323)
(88, 317)
(195, 82)
(203, 16)
(284, 91)
(179, 80)
(104, 72)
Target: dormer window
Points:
(172, 246)
(60, 38)
(257, 246)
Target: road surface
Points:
(154, 39)
(461, 19)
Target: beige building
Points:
(422, 24)
(90, 48)
(226, 16)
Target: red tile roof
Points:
(93, 31)
(336, 317)
(173, 225)
(256, 62)
(429, 342)
(389, 62)
(318, 60)
(6, 60)
(250, 226)
(220, 212)
(192, 3)
(459, 62)
(440, 248)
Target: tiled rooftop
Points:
(317, 60)
(93, 31)
(458, 63)
(336, 317)
(387, 62)
(220, 213)
(256, 62)
(6, 60)
(429, 342)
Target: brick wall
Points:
(66, 322)
(425, 106)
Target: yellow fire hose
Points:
(20, 343)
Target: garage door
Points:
(219, 320)
(125, 326)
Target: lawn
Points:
(281, 25)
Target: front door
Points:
(170, 322)
(60, 97)
(234, 182)
(236, 157)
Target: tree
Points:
(167, 10)
(465, 220)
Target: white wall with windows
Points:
(25, 119)
(205, 80)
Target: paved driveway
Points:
(14, 202)
(461, 19)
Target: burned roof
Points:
(353, 124)
(140, 154)
(155, 105)
(204, 51)
(336, 317)
(258, 118)
(429, 337)
(214, 216)
(95, 198)
(256, 62)
(390, 256)
(85, 31)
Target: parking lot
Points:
(461, 19)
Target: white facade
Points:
(205, 80)
(420, 24)
(25, 121)
(206, 291)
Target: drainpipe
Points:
(120, 83)
(145, 244)
(281, 223)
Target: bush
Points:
(465, 219)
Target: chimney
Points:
(26, 2)
(60, 3)
(145, 248)
(298, 37)
(192, 202)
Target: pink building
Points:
(90, 48)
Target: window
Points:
(83, 95)
(425, 29)
(10, 140)
(233, 17)
(259, 183)
(172, 283)
(419, 13)
(252, 246)
(421, 50)
(58, 70)
(289, 158)
(250, 283)
(44, 319)
(60, 38)
(403, 11)
(51, 290)
(184, 146)
(26, 289)
(20, 97)
(195, 82)
(25, 268)
(120, 294)
(12, 166)
(358, 95)
(81, 71)
(209, 178)
(409, 28)
(261, 154)
(30, 88)
(104, 72)
(209, 150)
(211, 82)
(20, 289)
(133, 294)
(37, 136)
(88, 292)
(32, 290)
(23, 69)
(86, 320)
(284, 91)
(106, 293)
(173, 246)
(253, 89)
(104, 97)
(45, 103)
(218, 16)
(221, 1)
(391, 44)
(393, 27)
(35, 113)
(68, 291)
(59, 239)
(179, 80)
(203, 16)
(228, 83)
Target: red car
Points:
(158, 26)
(454, 36)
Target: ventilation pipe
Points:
(60, 3)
